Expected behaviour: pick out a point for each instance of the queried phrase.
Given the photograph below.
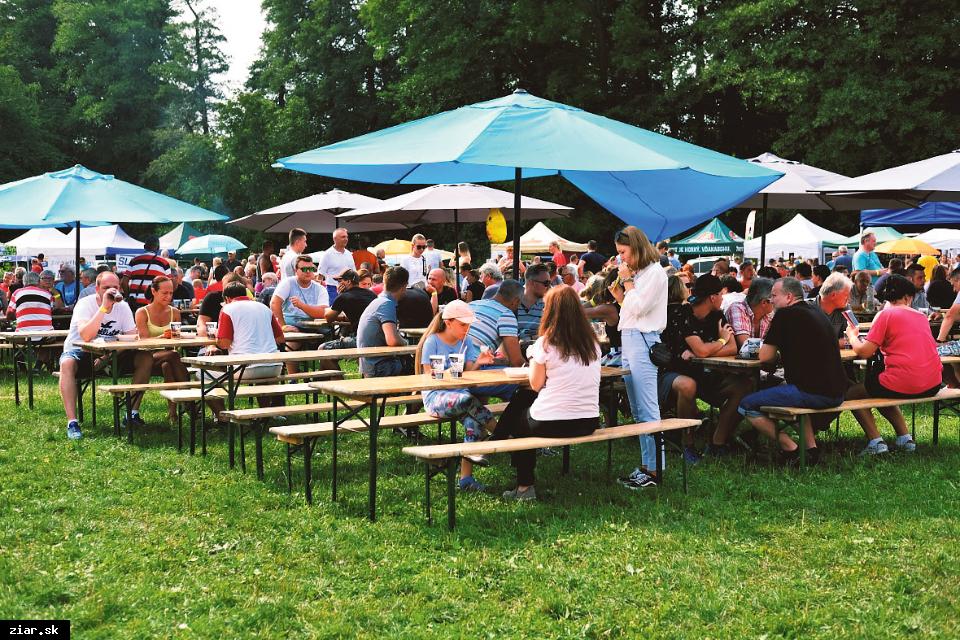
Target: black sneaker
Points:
(134, 420)
(642, 481)
(411, 433)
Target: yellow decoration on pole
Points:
(496, 226)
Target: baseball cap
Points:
(705, 286)
(349, 275)
(459, 310)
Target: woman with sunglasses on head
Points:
(447, 335)
(642, 294)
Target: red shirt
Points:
(141, 272)
(911, 361)
(559, 259)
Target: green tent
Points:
(178, 236)
(715, 238)
(884, 234)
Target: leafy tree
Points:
(27, 147)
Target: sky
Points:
(241, 22)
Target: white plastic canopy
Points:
(799, 237)
(538, 240)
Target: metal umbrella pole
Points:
(517, 181)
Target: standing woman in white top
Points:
(564, 395)
(642, 294)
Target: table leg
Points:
(31, 358)
(307, 471)
(93, 399)
(333, 452)
(115, 373)
(374, 432)
(16, 373)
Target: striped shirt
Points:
(33, 308)
(141, 272)
(494, 321)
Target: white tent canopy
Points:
(538, 240)
(98, 241)
(943, 239)
(46, 240)
(799, 236)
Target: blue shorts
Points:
(665, 385)
(784, 395)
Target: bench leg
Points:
(913, 421)
(936, 421)
(127, 401)
(116, 415)
(258, 443)
(179, 429)
(289, 469)
(193, 430)
(658, 442)
(683, 468)
(451, 494)
(333, 455)
(374, 434)
(16, 375)
(80, 401)
(93, 399)
(426, 493)
(231, 445)
(566, 460)
(243, 449)
(307, 471)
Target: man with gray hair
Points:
(88, 283)
(811, 361)
(490, 278)
(844, 259)
(335, 261)
(834, 301)
(751, 317)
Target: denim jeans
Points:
(642, 388)
(785, 395)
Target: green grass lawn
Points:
(141, 542)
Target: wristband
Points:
(103, 310)
(722, 341)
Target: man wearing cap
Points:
(141, 271)
(334, 261)
(351, 301)
(440, 293)
(703, 332)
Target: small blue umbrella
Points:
(655, 182)
(80, 197)
(209, 245)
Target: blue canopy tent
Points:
(80, 197)
(657, 183)
(927, 214)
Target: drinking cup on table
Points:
(925, 311)
(456, 365)
(211, 329)
(175, 328)
(436, 365)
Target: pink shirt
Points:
(912, 363)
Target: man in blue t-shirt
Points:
(378, 327)
(865, 259)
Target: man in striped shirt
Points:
(141, 272)
(496, 323)
(31, 305)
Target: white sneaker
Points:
(875, 449)
(909, 446)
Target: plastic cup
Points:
(175, 328)
(456, 365)
(436, 366)
(211, 329)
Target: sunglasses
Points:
(420, 246)
(545, 283)
(308, 269)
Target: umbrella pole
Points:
(76, 266)
(456, 253)
(763, 233)
(517, 179)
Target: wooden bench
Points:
(445, 456)
(304, 437)
(796, 418)
(185, 400)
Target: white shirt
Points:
(571, 391)
(288, 263)
(433, 258)
(416, 267)
(645, 306)
(333, 262)
(119, 320)
(730, 298)
(250, 325)
(312, 294)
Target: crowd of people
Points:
(564, 314)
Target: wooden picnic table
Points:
(113, 349)
(414, 332)
(372, 392)
(733, 362)
(320, 323)
(25, 343)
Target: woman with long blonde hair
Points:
(564, 395)
(642, 294)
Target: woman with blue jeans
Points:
(641, 290)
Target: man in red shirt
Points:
(141, 272)
(558, 258)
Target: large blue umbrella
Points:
(660, 184)
(80, 197)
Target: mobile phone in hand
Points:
(851, 319)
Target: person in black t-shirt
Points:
(591, 260)
(440, 292)
(807, 344)
(351, 300)
(472, 288)
(704, 332)
(414, 309)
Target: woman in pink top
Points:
(911, 367)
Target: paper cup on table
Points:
(211, 329)
(436, 365)
(175, 329)
(456, 364)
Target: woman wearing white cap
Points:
(447, 335)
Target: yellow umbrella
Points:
(907, 247)
(397, 247)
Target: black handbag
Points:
(660, 354)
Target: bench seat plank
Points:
(251, 415)
(488, 447)
(247, 391)
(863, 403)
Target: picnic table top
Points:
(219, 362)
(734, 362)
(148, 344)
(318, 323)
(23, 336)
(394, 385)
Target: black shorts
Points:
(876, 390)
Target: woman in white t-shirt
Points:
(564, 395)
